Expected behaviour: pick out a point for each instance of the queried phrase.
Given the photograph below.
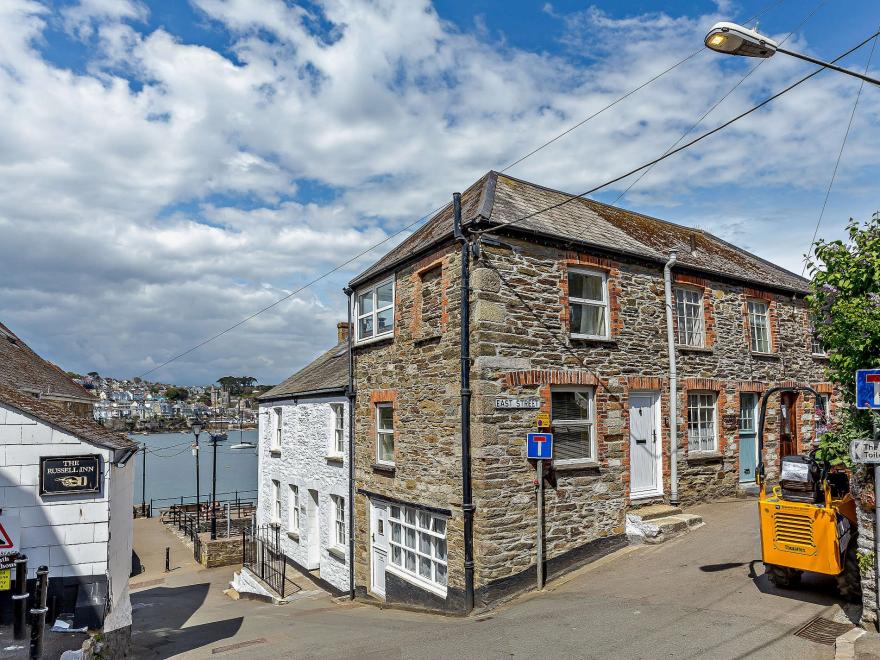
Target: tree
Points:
(176, 394)
(137, 380)
(845, 307)
(93, 374)
(236, 384)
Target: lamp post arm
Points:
(828, 65)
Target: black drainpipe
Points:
(467, 505)
(350, 393)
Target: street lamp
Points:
(242, 443)
(197, 429)
(216, 438)
(732, 39)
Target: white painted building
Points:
(304, 484)
(85, 538)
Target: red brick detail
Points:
(824, 388)
(645, 383)
(682, 278)
(422, 267)
(702, 384)
(612, 270)
(750, 386)
(549, 377)
(772, 315)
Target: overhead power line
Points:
(839, 156)
(678, 149)
(430, 214)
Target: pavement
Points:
(701, 595)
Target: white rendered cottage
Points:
(304, 467)
(66, 482)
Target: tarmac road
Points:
(702, 595)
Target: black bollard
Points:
(167, 559)
(38, 613)
(19, 599)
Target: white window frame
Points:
(590, 303)
(376, 336)
(590, 424)
(276, 502)
(384, 431)
(754, 317)
(337, 430)
(698, 336)
(696, 402)
(293, 508)
(817, 348)
(419, 533)
(337, 529)
(277, 423)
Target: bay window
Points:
(418, 546)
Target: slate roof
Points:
(498, 199)
(328, 374)
(22, 369)
(85, 429)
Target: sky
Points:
(169, 168)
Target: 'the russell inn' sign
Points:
(65, 475)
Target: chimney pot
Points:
(342, 330)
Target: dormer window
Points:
(374, 308)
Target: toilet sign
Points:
(865, 451)
(868, 389)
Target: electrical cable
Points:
(687, 145)
(717, 103)
(839, 156)
(422, 218)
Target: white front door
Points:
(378, 546)
(314, 531)
(644, 445)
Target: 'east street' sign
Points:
(529, 403)
(865, 451)
(64, 475)
(868, 388)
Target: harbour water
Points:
(171, 471)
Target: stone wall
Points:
(220, 552)
(418, 373)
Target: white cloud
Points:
(139, 217)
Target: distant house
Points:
(67, 482)
(303, 466)
(568, 317)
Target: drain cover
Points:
(823, 631)
(240, 645)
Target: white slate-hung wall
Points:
(307, 459)
(70, 534)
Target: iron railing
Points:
(261, 553)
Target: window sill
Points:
(427, 586)
(382, 467)
(334, 458)
(819, 356)
(593, 340)
(694, 349)
(427, 339)
(275, 453)
(766, 356)
(703, 457)
(293, 536)
(585, 464)
(389, 336)
(336, 553)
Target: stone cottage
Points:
(304, 467)
(567, 305)
(66, 487)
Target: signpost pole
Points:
(19, 599)
(144, 483)
(540, 479)
(876, 434)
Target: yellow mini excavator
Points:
(808, 521)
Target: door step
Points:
(659, 529)
(655, 511)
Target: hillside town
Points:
(531, 422)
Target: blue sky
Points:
(173, 166)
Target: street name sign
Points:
(539, 446)
(527, 403)
(868, 389)
(865, 451)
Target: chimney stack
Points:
(342, 331)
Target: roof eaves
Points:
(305, 393)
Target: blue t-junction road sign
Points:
(868, 388)
(540, 446)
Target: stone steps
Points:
(661, 528)
(655, 511)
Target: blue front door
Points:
(748, 443)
